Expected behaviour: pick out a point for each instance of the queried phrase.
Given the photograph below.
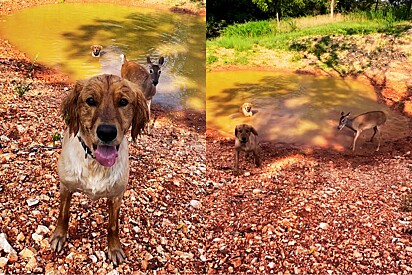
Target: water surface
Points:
(60, 36)
(293, 108)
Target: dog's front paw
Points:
(117, 255)
(57, 241)
(236, 172)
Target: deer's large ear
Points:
(123, 59)
(348, 114)
(342, 113)
(69, 108)
(161, 60)
(253, 131)
(236, 131)
(148, 60)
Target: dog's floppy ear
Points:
(141, 111)
(69, 108)
(253, 131)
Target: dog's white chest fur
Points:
(248, 146)
(86, 175)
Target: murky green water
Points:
(60, 36)
(292, 108)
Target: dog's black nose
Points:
(106, 133)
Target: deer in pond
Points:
(369, 120)
(146, 79)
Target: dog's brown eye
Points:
(90, 101)
(123, 102)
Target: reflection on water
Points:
(60, 36)
(292, 108)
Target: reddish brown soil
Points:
(313, 210)
(159, 226)
(305, 210)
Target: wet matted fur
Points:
(95, 155)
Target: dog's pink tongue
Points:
(106, 155)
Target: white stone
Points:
(5, 246)
(323, 225)
(32, 202)
(195, 203)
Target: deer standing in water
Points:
(365, 121)
(139, 75)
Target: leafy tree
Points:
(292, 8)
(221, 13)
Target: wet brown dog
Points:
(95, 154)
(245, 140)
(246, 109)
(96, 50)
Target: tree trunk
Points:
(332, 5)
(376, 5)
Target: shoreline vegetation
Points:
(372, 48)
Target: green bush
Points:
(250, 29)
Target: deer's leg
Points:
(149, 103)
(379, 137)
(375, 129)
(354, 140)
(59, 236)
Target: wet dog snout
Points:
(106, 133)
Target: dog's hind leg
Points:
(59, 236)
(116, 253)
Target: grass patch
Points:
(210, 59)
(237, 43)
(273, 35)
(21, 87)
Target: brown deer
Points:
(365, 121)
(139, 75)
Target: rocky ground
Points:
(305, 210)
(315, 210)
(309, 210)
(161, 218)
